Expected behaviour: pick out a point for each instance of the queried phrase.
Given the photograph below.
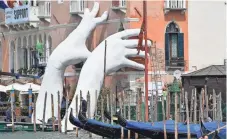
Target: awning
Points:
(23, 87)
(2, 88)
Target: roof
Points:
(213, 70)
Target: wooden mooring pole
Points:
(176, 127)
(44, 112)
(12, 92)
(129, 112)
(59, 113)
(195, 106)
(34, 113)
(52, 110)
(76, 113)
(164, 117)
(88, 109)
(187, 115)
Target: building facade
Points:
(49, 22)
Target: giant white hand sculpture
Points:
(91, 76)
(71, 51)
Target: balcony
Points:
(21, 17)
(175, 5)
(77, 6)
(175, 64)
(119, 5)
(44, 10)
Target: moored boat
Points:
(156, 130)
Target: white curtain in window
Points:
(174, 45)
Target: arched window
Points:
(174, 44)
(1, 55)
(25, 53)
(20, 55)
(29, 51)
(50, 45)
(12, 57)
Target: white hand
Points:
(118, 49)
(71, 51)
(91, 76)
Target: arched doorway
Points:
(174, 45)
(12, 57)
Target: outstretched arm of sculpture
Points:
(71, 51)
(118, 49)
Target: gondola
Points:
(96, 127)
(156, 129)
(212, 126)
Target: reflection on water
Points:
(46, 135)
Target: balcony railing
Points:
(119, 4)
(77, 6)
(175, 64)
(174, 5)
(44, 9)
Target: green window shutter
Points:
(180, 45)
(166, 48)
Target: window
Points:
(60, 1)
(12, 57)
(174, 43)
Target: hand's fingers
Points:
(134, 53)
(102, 18)
(127, 33)
(132, 64)
(134, 43)
(86, 11)
(95, 9)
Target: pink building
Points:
(50, 22)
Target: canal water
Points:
(47, 135)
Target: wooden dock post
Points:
(176, 127)
(111, 108)
(59, 113)
(129, 112)
(122, 129)
(96, 102)
(164, 117)
(88, 109)
(201, 107)
(102, 110)
(203, 104)
(180, 107)
(206, 102)
(167, 105)
(214, 105)
(195, 106)
(137, 113)
(187, 115)
(12, 92)
(66, 111)
(183, 101)
(30, 101)
(108, 104)
(44, 112)
(34, 113)
(52, 110)
(191, 105)
(219, 110)
(76, 113)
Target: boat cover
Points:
(211, 126)
(157, 127)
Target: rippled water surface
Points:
(46, 135)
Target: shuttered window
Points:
(180, 45)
